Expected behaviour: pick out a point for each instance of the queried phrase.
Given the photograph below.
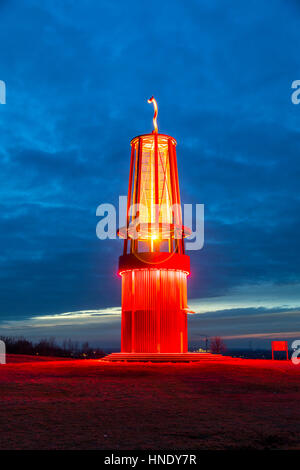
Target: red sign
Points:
(280, 346)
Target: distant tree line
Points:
(217, 345)
(49, 347)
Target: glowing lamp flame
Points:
(153, 100)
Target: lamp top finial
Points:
(153, 100)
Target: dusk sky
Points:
(78, 75)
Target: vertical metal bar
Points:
(123, 325)
(174, 177)
(139, 171)
(156, 174)
(129, 197)
(181, 241)
(133, 312)
(176, 174)
(137, 186)
(172, 184)
(156, 187)
(134, 187)
(158, 307)
(139, 181)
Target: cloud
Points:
(99, 327)
(80, 317)
(278, 334)
(235, 316)
(78, 76)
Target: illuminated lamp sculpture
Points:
(154, 266)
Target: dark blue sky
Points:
(78, 75)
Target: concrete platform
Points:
(163, 357)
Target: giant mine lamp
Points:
(153, 266)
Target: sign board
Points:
(280, 346)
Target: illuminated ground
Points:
(93, 405)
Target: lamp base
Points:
(163, 357)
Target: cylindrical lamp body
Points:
(154, 304)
